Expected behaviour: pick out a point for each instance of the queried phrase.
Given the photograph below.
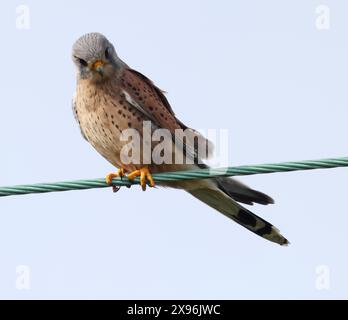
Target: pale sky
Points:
(264, 71)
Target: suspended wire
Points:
(177, 176)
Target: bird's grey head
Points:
(95, 57)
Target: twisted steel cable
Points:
(176, 176)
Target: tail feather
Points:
(242, 193)
(222, 202)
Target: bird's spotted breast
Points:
(102, 118)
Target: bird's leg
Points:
(145, 175)
(119, 173)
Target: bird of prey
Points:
(112, 97)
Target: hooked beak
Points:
(98, 66)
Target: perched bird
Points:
(111, 97)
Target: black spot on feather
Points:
(246, 217)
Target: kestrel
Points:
(111, 97)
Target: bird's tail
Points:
(221, 201)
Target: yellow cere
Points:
(98, 63)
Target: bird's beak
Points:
(98, 66)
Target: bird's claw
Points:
(119, 174)
(145, 175)
(115, 188)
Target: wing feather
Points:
(147, 98)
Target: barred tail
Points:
(220, 201)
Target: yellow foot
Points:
(145, 175)
(120, 173)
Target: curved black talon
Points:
(115, 188)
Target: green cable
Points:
(177, 176)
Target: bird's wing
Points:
(158, 91)
(76, 116)
(146, 97)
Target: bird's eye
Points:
(82, 62)
(107, 53)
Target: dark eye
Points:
(82, 62)
(107, 53)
